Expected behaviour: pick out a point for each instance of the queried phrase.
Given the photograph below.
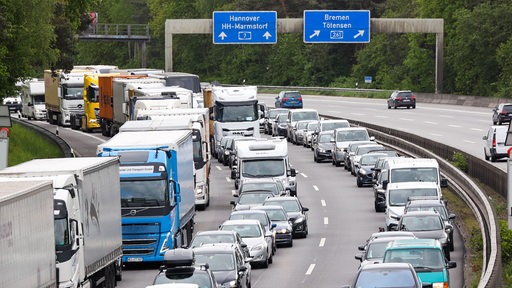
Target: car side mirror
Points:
(444, 182)
(232, 203)
(385, 184)
(305, 209)
(485, 137)
(242, 269)
(372, 138)
(361, 247)
(451, 216)
(274, 225)
(359, 257)
(451, 264)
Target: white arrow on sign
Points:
(316, 33)
(222, 35)
(361, 33)
(267, 35)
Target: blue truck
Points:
(157, 191)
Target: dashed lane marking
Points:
(322, 242)
(310, 269)
(316, 188)
(323, 202)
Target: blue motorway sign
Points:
(244, 27)
(336, 26)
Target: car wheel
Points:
(315, 158)
(270, 259)
(359, 183)
(499, 122)
(493, 158)
(291, 243)
(413, 106)
(265, 263)
(337, 163)
(485, 155)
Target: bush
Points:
(459, 161)
(506, 242)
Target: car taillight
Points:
(398, 98)
(413, 97)
(285, 99)
(300, 98)
(504, 112)
(494, 142)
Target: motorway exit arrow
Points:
(316, 33)
(361, 33)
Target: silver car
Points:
(253, 234)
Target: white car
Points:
(253, 234)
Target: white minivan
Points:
(494, 147)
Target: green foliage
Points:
(460, 161)
(40, 147)
(506, 242)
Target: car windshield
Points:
(274, 112)
(263, 168)
(253, 198)
(312, 126)
(302, 125)
(325, 138)
(333, 125)
(199, 277)
(370, 159)
(288, 205)
(386, 277)
(281, 119)
(209, 239)
(376, 250)
(421, 223)
(365, 149)
(352, 135)
(292, 95)
(353, 147)
(305, 115)
(399, 197)
(260, 186)
(276, 214)
(419, 257)
(216, 261)
(245, 231)
(256, 216)
(414, 175)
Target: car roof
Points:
(259, 180)
(412, 185)
(389, 239)
(216, 232)
(415, 243)
(268, 207)
(325, 132)
(242, 222)
(421, 213)
(380, 266)
(425, 202)
(282, 198)
(388, 234)
(249, 211)
(215, 248)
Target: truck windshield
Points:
(237, 113)
(38, 99)
(149, 193)
(92, 93)
(72, 92)
(263, 168)
(427, 174)
(61, 231)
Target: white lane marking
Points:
(334, 111)
(326, 220)
(310, 269)
(228, 179)
(316, 188)
(477, 129)
(434, 134)
(470, 142)
(357, 114)
(304, 175)
(322, 242)
(430, 122)
(454, 126)
(445, 116)
(219, 168)
(380, 116)
(323, 202)
(406, 119)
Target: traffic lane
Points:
(352, 207)
(448, 124)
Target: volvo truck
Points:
(157, 191)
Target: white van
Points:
(397, 195)
(494, 147)
(401, 169)
(265, 158)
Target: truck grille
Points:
(140, 239)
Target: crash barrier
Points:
(461, 183)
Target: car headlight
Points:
(362, 171)
(226, 153)
(338, 149)
(258, 247)
(321, 149)
(283, 231)
(230, 284)
(440, 285)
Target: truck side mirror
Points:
(293, 172)
(444, 183)
(385, 184)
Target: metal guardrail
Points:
(461, 183)
(117, 31)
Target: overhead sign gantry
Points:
(244, 27)
(336, 26)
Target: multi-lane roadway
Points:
(341, 215)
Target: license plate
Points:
(406, 100)
(134, 259)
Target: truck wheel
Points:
(110, 276)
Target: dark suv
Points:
(403, 98)
(502, 113)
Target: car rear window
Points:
(292, 95)
(405, 94)
(507, 108)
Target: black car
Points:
(179, 267)
(364, 175)
(433, 204)
(280, 127)
(227, 263)
(295, 211)
(271, 118)
(279, 217)
(403, 98)
(322, 148)
(502, 113)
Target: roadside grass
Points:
(26, 144)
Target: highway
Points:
(341, 215)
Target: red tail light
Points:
(504, 112)
(494, 142)
(413, 97)
(398, 98)
(285, 99)
(300, 99)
